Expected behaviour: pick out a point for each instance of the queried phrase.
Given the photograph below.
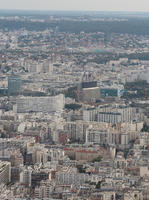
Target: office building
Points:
(91, 94)
(87, 88)
(14, 85)
(108, 92)
(112, 91)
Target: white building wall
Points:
(40, 104)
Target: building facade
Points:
(40, 104)
(14, 85)
(5, 172)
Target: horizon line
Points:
(58, 10)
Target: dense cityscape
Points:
(74, 106)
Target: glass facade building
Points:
(14, 85)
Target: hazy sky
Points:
(103, 5)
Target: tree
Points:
(98, 185)
(98, 159)
(73, 106)
(145, 128)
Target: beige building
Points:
(88, 155)
(144, 171)
(16, 158)
(91, 94)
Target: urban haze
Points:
(97, 5)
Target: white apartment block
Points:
(102, 137)
(96, 136)
(110, 114)
(76, 130)
(109, 117)
(40, 104)
(25, 177)
(71, 178)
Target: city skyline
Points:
(74, 100)
(95, 5)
